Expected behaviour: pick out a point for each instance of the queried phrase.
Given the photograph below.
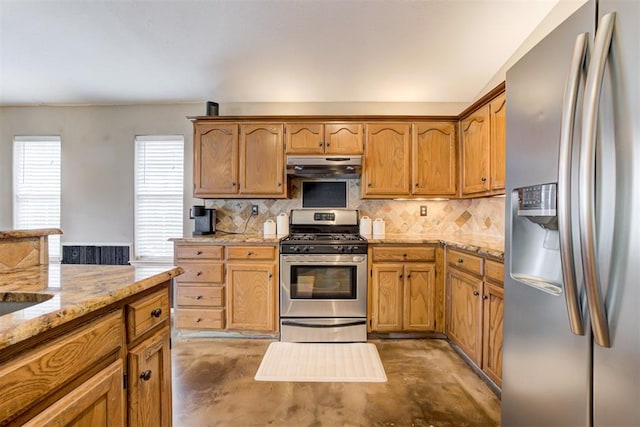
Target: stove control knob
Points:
(305, 249)
(295, 249)
(340, 249)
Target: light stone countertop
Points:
(239, 239)
(76, 289)
(21, 234)
(485, 245)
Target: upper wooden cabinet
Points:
(215, 159)
(433, 155)
(324, 138)
(238, 161)
(497, 122)
(483, 146)
(386, 160)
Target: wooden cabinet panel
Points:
(494, 271)
(199, 252)
(419, 297)
(462, 260)
(98, 402)
(498, 120)
(199, 272)
(434, 159)
(387, 297)
(305, 138)
(475, 152)
(464, 324)
(262, 159)
(401, 254)
(200, 295)
(251, 296)
(251, 252)
(386, 169)
(146, 313)
(37, 373)
(149, 391)
(200, 318)
(343, 138)
(215, 159)
(493, 300)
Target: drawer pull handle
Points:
(476, 293)
(199, 297)
(270, 275)
(198, 320)
(199, 273)
(320, 144)
(401, 276)
(156, 312)
(328, 144)
(249, 253)
(460, 260)
(408, 276)
(485, 297)
(404, 255)
(198, 252)
(483, 179)
(145, 375)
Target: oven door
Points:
(323, 285)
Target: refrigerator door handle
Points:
(586, 185)
(577, 70)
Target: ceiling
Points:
(166, 51)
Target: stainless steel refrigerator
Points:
(571, 353)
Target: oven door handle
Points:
(307, 325)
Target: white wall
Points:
(97, 162)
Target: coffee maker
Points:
(205, 220)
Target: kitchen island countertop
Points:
(76, 291)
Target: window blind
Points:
(36, 185)
(159, 177)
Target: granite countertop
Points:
(76, 290)
(485, 245)
(20, 234)
(230, 239)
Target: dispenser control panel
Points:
(537, 200)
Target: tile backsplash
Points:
(485, 215)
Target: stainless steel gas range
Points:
(323, 278)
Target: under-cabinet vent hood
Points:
(325, 166)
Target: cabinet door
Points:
(498, 115)
(304, 138)
(262, 159)
(343, 138)
(434, 159)
(493, 301)
(386, 160)
(475, 152)
(387, 295)
(150, 381)
(251, 297)
(98, 402)
(215, 159)
(420, 297)
(465, 313)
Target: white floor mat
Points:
(316, 362)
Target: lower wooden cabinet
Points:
(252, 296)
(98, 402)
(149, 381)
(475, 303)
(403, 295)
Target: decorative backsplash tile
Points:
(484, 215)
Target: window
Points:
(159, 179)
(36, 185)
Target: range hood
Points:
(325, 166)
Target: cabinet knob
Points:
(198, 297)
(279, 184)
(369, 185)
(320, 144)
(460, 260)
(156, 312)
(233, 184)
(198, 252)
(270, 275)
(328, 144)
(145, 375)
(417, 184)
(408, 276)
(249, 253)
(476, 293)
(198, 320)
(483, 179)
(199, 273)
(485, 297)
(404, 255)
(401, 276)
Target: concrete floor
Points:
(428, 385)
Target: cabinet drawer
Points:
(471, 263)
(147, 312)
(198, 318)
(200, 295)
(199, 252)
(201, 272)
(251, 252)
(381, 253)
(36, 373)
(494, 271)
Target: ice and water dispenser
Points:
(535, 257)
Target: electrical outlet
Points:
(423, 210)
(254, 209)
